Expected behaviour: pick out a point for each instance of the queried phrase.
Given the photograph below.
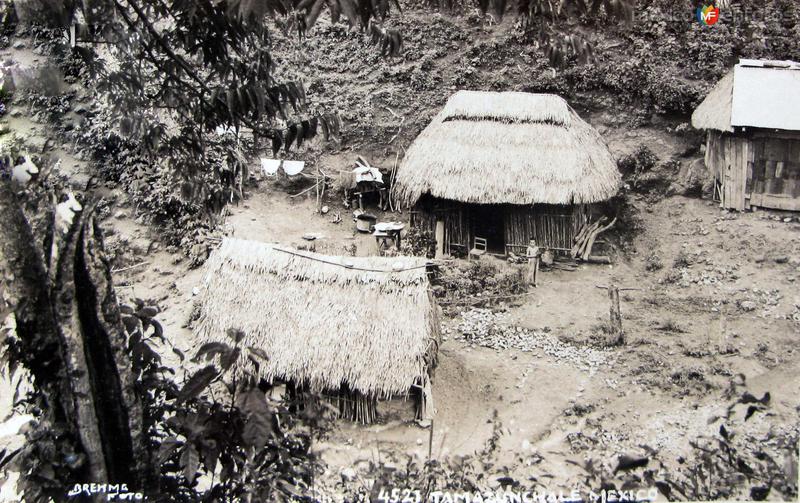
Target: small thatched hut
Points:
(507, 167)
(752, 119)
(352, 329)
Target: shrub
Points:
(682, 260)
(419, 242)
(653, 262)
(639, 161)
(478, 283)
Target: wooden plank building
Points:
(752, 119)
(508, 168)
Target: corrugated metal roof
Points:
(765, 94)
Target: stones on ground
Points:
(748, 305)
(486, 328)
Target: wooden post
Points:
(319, 197)
(439, 239)
(430, 442)
(617, 336)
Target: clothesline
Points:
(353, 267)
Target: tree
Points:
(70, 338)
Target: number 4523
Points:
(399, 496)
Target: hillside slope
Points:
(646, 79)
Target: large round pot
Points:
(365, 221)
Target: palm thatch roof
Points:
(369, 323)
(510, 147)
(715, 110)
(756, 93)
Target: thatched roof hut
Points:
(506, 168)
(366, 324)
(752, 119)
(510, 147)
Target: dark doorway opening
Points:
(488, 222)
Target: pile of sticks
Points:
(587, 235)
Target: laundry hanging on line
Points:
(269, 167)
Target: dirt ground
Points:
(724, 302)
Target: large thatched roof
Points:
(323, 321)
(756, 93)
(511, 147)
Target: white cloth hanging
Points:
(270, 166)
(367, 174)
(293, 167)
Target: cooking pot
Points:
(365, 221)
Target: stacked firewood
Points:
(586, 237)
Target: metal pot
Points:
(365, 221)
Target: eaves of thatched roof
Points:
(510, 147)
(367, 322)
(756, 93)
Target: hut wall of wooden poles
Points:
(551, 226)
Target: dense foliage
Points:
(240, 445)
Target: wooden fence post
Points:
(617, 336)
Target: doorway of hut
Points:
(488, 222)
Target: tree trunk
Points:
(24, 292)
(72, 341)
(118, 408)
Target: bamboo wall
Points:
(424, 220)
(552, 226)
(360, 408)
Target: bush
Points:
(478, 283)
(153, 188)
(639, 161)
(419, 243)
(653, 262)
(682, 260)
